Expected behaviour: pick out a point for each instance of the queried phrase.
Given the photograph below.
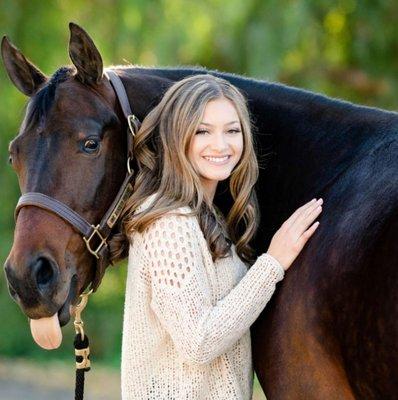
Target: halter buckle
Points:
(102, 241)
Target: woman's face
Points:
(217, 145)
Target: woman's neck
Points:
(209, 189)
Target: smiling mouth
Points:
(217, 160)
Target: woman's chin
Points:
(217, 177)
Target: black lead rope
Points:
(82, 349)
(81, 346)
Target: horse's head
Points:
(72, 147)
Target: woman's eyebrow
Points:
(228, 123)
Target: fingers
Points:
(307, 234)
(293, 217)
(310, 215)
(301, 211)
(290, 239)
(305, 219)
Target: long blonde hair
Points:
(160, 149)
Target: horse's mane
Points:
(176, 73)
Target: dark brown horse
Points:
(330, 331)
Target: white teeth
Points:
(217, 159)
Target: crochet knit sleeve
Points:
(181, 293)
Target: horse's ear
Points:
(25, 76)
(84, 55)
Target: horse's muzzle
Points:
(37, 292)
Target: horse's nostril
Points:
(43, 271)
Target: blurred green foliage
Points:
(345, 49)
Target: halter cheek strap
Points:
(95, 236)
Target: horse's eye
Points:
(91, 146)
(10, 159)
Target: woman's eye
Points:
(201, 131)
(91, 146)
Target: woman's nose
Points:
(219, 142)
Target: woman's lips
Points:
(217, 160)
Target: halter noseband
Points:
(101, 231)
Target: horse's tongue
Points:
(46, 332)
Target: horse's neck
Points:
(287, 113)
(307, 138)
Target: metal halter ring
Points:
(129, 169)
(132, 120)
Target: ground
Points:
(24, 379)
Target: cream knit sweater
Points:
(186, 319)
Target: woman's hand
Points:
(291, 237)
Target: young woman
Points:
(190, 296)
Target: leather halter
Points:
(102, 231)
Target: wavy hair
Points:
(160, 148)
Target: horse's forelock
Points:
(42, 101)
